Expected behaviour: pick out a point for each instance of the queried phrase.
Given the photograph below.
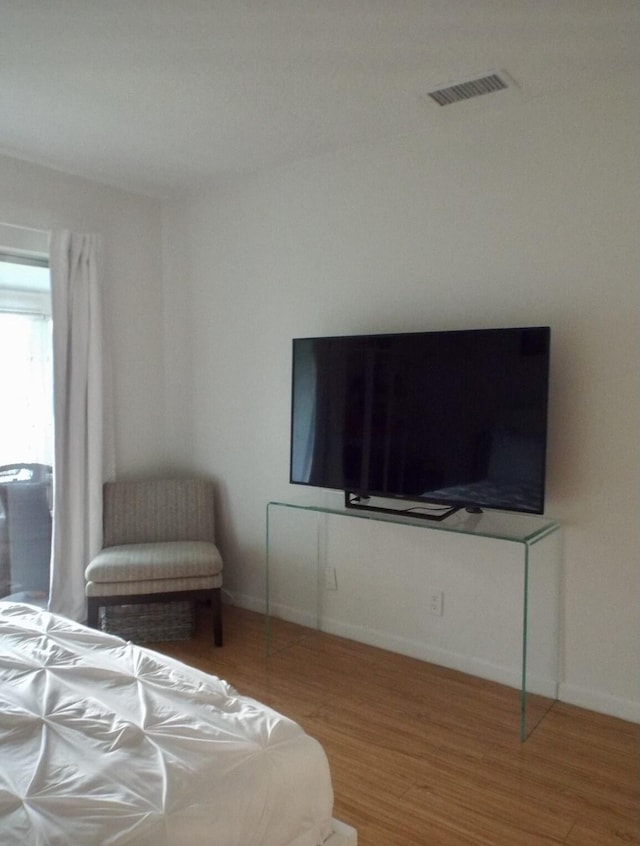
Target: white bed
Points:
(103, 742)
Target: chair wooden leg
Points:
(93, 607)
(216, 607)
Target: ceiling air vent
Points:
(467, 90)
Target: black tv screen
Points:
(454, 418)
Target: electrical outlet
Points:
(330, 578)
(436, 603)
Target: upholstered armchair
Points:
(159, 546)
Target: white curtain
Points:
(79, 416)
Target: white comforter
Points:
(103, 742)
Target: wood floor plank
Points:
(425, 756)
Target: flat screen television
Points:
(443, 420)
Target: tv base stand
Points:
(360, 503)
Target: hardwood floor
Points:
(428, 756)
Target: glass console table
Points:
(290, 573)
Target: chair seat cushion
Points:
(149, 561)
(173, 586)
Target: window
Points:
(26, 377)
(26, 427)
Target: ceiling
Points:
(161, 95)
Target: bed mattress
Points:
(103, 742)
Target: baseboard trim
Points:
(602, 703)
(243, 600)
(582, 697)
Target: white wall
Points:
(131, 226)
(503, 217)
(525, 215)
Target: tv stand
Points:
(357, 502)
(536, 553)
